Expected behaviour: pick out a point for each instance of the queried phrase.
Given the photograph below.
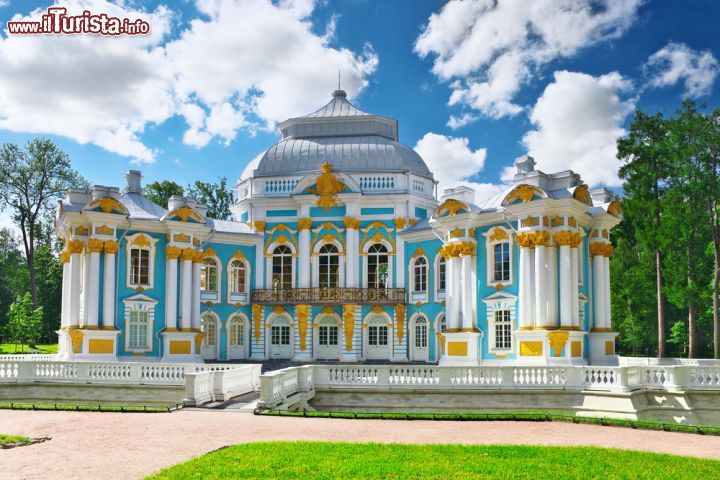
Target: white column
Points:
(196, 295)
(399, 256)
(186, 292)
(92, 284)
(351, 255)
(552, 283)
(606, 290)
(540, 286)
(84, 294)
(108, 318)
(525, 288)
(171, 274)
(64, 315)
(304, 253)
(599, 299)
(467, 285)
(574, 286)
(566, 316)
(453, 293)
(74, 290)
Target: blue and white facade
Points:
(341, 251)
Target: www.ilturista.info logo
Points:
(56, 21)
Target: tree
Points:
(13, 273)
(30, 180)
(25, 321)
(160, 192)
(216, 196)
(645, 170)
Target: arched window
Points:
(208, 328)
(420, 275)
(329, 261)
(377, 266)
(282, 268)
(236, 331)
(209, 275)
(238, 277)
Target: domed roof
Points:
(340, 134)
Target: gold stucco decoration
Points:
(259, 225)
(76, 338)
(199, 338)
(601, 249)
(327, 187)
(257, 312)
(94, 245)
(172, 253)
(349, 324)
(400, 320)
(581, 194)
(111, 247)
(498, 235)
(65, 256)
(75, 246)
(239, 255)
(185, 214)
(567, 238)
(457, 233)
(452, 207)
(104, 230)
(399, 222)
(188, 254)
(615, 209)
(108, 205)
(533, 239)
(524, 193)
(302, 312)
(141, 241)
(352, 223)
(304, 223)
(557, 340)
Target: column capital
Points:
(399, 222)
(567, 238)
(75, 246)
(536, 238)
(304, 224)
(188, 254)
(65, 256)
(351, 223)
(110, 247)
(601, 249)
(94, 245)
(173, 253)
(259, 226)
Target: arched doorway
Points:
(327, 337)
(280, 338)
(208, 325)
(238, 337)
(419, 330)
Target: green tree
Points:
(25, 321)
(160, 192)
(13, 272)
(49, 271)
(216, 196)
(644, 152)
(31, 179)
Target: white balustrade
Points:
(29, 357)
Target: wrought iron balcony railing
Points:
(291, 296)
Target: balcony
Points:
(294, 296)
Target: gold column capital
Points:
(188, 254)
(259, 225)
(601, 249)
(567, 238)
(173, 253)
(94, 245)
(76, 246)
(65, 256)
(304, 224)
(352, 223)
(110, 247)
(399, 222)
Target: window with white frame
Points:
(377, 335)
(329, 266)
(140, 254)
(137, 330)
(377, 272)
(501, 320)
(139, 323)
(208, 328)
(420, 275)
(280, 335)
(328, 335)
(421, 332)
(237, 331)
(440, 277)
(499, 259)
(503, 330)
(209, 275)
(238, 276)
(282, 268)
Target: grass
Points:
(13, 348)
(89, 408)
(325, 460)
(5, 439)
(506, 416)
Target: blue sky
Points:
(198, 97)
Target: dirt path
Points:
(130, 446)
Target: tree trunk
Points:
(660, 307)
(692, 329)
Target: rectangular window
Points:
(382, 336)
(139, 267)
(275, 336)
(373, 335)
(503, 330)
(284, 335)
(323, 336)
(333, 336)
(137, 330)
(441, 275)
(501, 262)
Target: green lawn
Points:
(324, 460)
(12, 439)
(11, 348)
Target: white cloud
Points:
(88, 88)
(676, 62)
(453, 162)
(4, 3)
(491, 48)
(577, 121)
(245, 64)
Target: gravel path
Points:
(132, 445)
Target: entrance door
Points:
(237, 340)
(209, 328)
(420, 340)
(280, 346)
(328, 343)
(378, 345)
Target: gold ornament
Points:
(498, 234)
(399, 223)
(452, 206)
(352, 223)
(173, 253)
(327, 187)
(304, 223)
(349, 320)
(581, 194)
(400, 320)
(76, 246)
(259, 225)
(94, 245)
(257, 312)
(557, 339)
(302, 312)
